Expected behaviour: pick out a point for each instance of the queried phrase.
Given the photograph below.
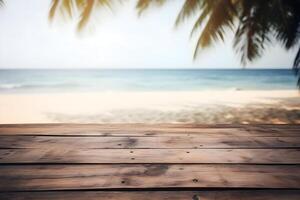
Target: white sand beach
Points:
(272, 106)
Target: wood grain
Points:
(157, 195)
(149, 130)
(217, 156)
(143, 161)
(178, 142)
(141, 176)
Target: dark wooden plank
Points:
(58, 155)
(148, 130)
(157, 195)
(153, 132)
(102, 128)
(62, 177)
(178, 142)
(145, 125)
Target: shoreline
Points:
(196, 107)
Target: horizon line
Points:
(146, 68)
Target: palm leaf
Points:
(68, 6)
(85, 9)
(206, 11)
(143, 5)
(220, 17)
(85, 14)
(255, 22)
(297, 66)
(253, 32)
(286, 23)
(189, 8)
(53, 9)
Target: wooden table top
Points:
(152, 162)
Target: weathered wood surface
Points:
(142, 130)
(138, 161)
(141, 176)
(156, 195)
(84, 156)
(175, 142)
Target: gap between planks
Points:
(157, 195)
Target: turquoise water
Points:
(90, 80)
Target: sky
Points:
(116, 38)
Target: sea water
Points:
(106, 80)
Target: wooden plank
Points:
(82, 131)
(157, 195)
(178, 142)
(145, 125)
(148, 130)
(101, 129)
(58, 155)
(72, 177)
(157, 133)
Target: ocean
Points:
(107, 80)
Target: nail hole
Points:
(132, 158)
(122, 182)
(131, 151)
(187, 152)
(119, 144)
(195, 197)
(195, 180)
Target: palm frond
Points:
(68, 5)
(143, 5)
(85, 14)
(189, 8)
(254, 22)
(220, 17)
(206, 11)
(53, 9)
(249, 43)
(70, 8)
(287, 22)
(296, 67)
(253, 32)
